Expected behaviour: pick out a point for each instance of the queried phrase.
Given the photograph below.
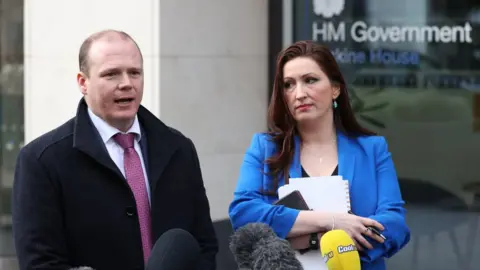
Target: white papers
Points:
(325, 194)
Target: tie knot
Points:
(124, 140)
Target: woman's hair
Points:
(281, 124)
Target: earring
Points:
(335, 105)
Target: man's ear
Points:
(82, 81)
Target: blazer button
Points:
(130, 211)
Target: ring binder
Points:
(347, 191)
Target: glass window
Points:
(11, 116)
(413, 69)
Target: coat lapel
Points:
(87, 139)
(160, 145)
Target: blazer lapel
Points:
(295, 170)
(346, 159)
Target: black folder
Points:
(293, 200)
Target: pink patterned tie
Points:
(136, 181)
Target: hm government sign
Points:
(361, 31)
(408, 44)
(375, 32)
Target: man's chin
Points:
(122, 120)
(126, 110)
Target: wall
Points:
(214, 82)
(205, 70)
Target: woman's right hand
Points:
(356, 227)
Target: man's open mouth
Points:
(124, 100)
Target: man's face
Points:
(113, 87)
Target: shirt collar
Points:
(107, 131)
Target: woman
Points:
(313, 132)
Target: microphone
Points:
(81, 268)
(176, 249)
(339, 251)
(255, 246)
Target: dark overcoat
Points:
(73, 207)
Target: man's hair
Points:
(83, 55)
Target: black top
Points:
(305, 174)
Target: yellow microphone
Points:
(339, 251)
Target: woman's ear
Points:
(336, 90)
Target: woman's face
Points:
(307, 89)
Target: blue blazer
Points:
(374, 191)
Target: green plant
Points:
(361, 108)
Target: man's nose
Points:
(125, 81)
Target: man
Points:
(101, 188)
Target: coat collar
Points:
(161, 142)
(107, 132)
(346, 159)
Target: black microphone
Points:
(256, 246)
(176, 249)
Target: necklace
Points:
(316, 149)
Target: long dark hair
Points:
(281, 124)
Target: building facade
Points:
(413, 69)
